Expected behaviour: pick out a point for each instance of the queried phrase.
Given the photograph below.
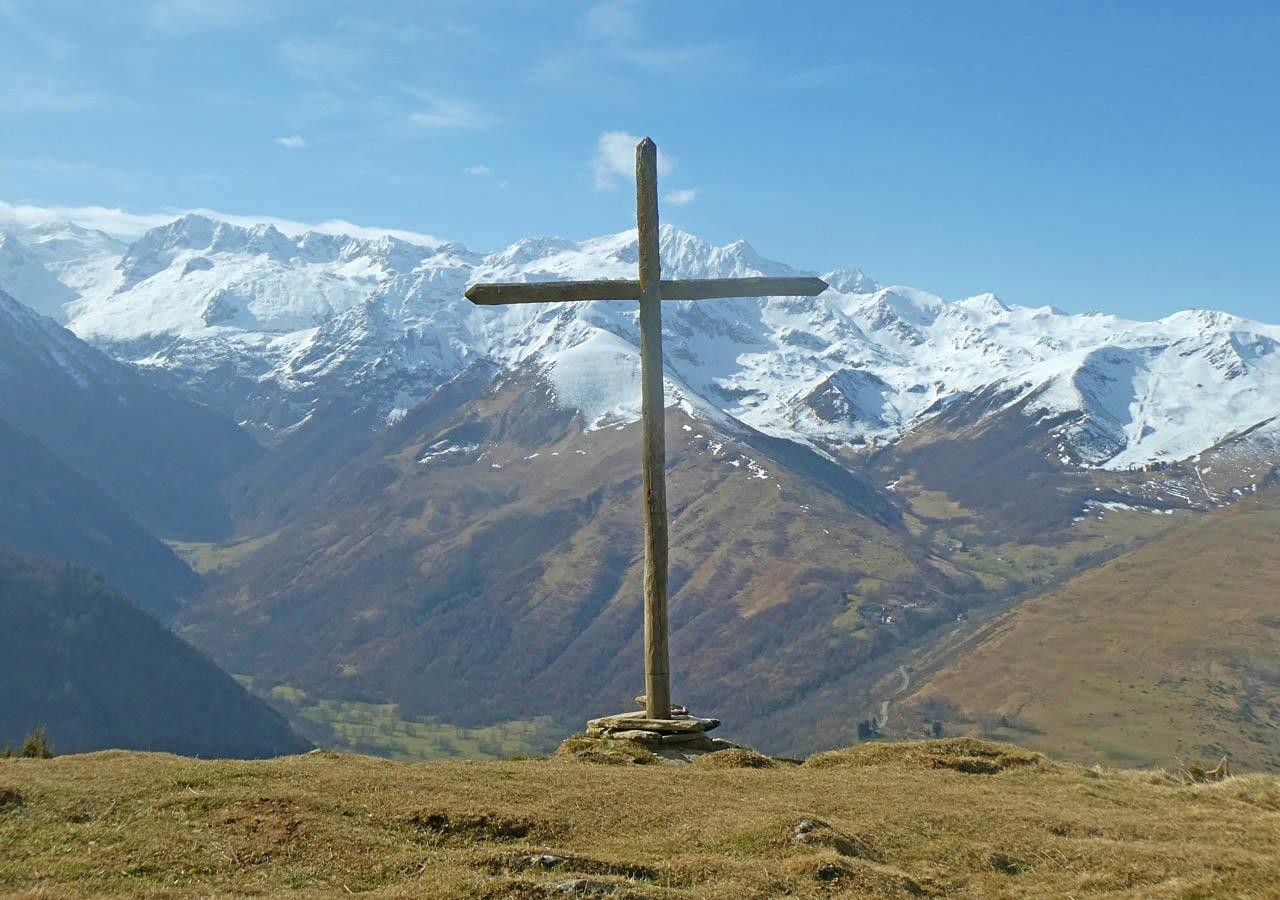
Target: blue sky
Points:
(1109, 156)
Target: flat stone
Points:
(637, 721)
(642, 737)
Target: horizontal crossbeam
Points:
(716, 288)
(551, 291)
(674, 289)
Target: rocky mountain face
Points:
(443, 513)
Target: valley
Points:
(410, 523)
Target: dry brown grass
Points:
(1169, 655)
(878, 820)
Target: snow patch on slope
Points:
(304, 316)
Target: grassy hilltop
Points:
(1169, 652)
(956, 818)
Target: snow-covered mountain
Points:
(269, 325)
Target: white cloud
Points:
(616, 158)
(443, 112)
(681, 197)
(186, 16)
(292, 141)
(124, 224)
(479, 170)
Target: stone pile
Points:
(681, 732)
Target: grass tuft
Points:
(736, 758)
(962, 754)
(607, 752)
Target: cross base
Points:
(677, 738)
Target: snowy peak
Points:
(854, 396)
(683, 255)
(984, 304)
(304, 316)
(850, 281)
(23, 274)
(196, 236)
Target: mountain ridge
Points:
(443, 518)
(156, 453)
(264, 324)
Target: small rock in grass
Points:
(581, 887)
(543, 860)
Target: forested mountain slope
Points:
(99, 673)
(48, 508)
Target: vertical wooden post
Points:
(657, 668)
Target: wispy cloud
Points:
(616, 158)
(69, 172)
(681, 197)
(187, 16)
(447, 113)
(124, 224)
(318, 58)
(613, 20)
(292, 141)
(480, 170)
(33, 94)
(34, 31)
(620, 33)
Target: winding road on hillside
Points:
(883, 718)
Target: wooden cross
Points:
(650, 290)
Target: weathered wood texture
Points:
(622, 289)
(657, 667)
(676, 708)
(650, 290)
(551, 291)
(718, 288)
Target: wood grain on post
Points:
(721, 288)
(551, 291)
(624, 289)
(657, 668)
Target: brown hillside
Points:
(482, 563)
(1170, 652)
